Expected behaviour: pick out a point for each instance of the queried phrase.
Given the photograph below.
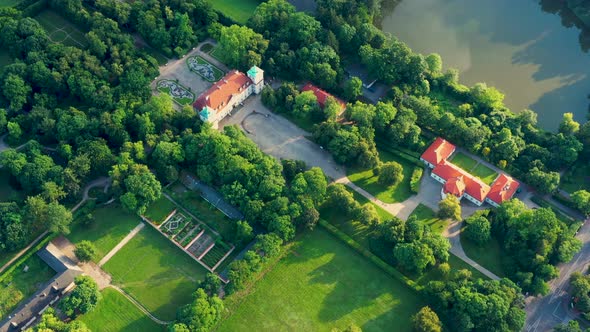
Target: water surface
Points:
(511, 44)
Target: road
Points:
(543, 313)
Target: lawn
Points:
(486, 174)
(319, 285)
(464, 161)
(238, 10)
(576, 178)
(8, 3)
(426, 216)
(111, 224)
(115, 313)
(8, 193)
(207, 47)
(159, 210)
(156, 273)
(388, 194)
(204, 68)
(216, 53)
(5, 58)
(489, 256)
(60, 30)
(19, 285)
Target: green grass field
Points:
(321, 284)
(388, 194)
(115, 313)
(489, 256)
(427, 217)
(486, 174)
(60, 30)
(576, 178)
(111, 224)
(238, 10)
(8, 3)
(7, 192)
(216, 53)
(5, 58)
(19, 285)
(464, 161)
(156, 273)
(159, 210)
(217, 73)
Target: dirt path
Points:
(120, 245)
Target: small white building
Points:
(218, 101)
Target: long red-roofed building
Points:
(458, 182)
(220, 99)
(322, 95)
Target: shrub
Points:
(85, 251)
(415, 180)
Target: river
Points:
(514, 45)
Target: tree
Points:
(353, 88)
(449, 207)
(568, 125)
(51, 323)
(545, 182)
(51, 216)
(426, 320)
(244, 232)
(202, 314)
(390, 173)
(367, 215)
(571, 326)
(581, 199)
(15, 132)
(478, 229)
(414, 256)
(85, 250)
(83, 298)
(211, 284)
(268, 245)
(139, 186)
(16, 91)
(240, 47)
(306, 103)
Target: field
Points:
(238, 10)
(489, 256)
(5, 59)
(8, 3)
(204, 68)
(426, 216)
(114, 313)
(61, 30)
(486, 174)
(216, 53)
(388, 194)
(111, 224)
(576, 178)
(7, 192)
(156, 273)
(464, 161)
(20, 285)
(321, 284)
(159, 210)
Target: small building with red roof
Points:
(322, 95)
(438, 151)
(502, 190)
(220, 99)
(458, 182)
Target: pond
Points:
(514, 45)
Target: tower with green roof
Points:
(257, 76)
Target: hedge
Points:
(26, 256)
(409, 158)
(369, 255)
(415, 180)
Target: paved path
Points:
(120, 245)
(141, 307)
(284, 140)
(92, 184)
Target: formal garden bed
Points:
(177, 91)
(204, 68)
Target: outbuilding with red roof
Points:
(438, 151)
(322, 95)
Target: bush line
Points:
(367, 254)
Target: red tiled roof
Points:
(455, 186)
(503, 188)
(321, 95)
(438, 151)
(473, 186)
(221, 92)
